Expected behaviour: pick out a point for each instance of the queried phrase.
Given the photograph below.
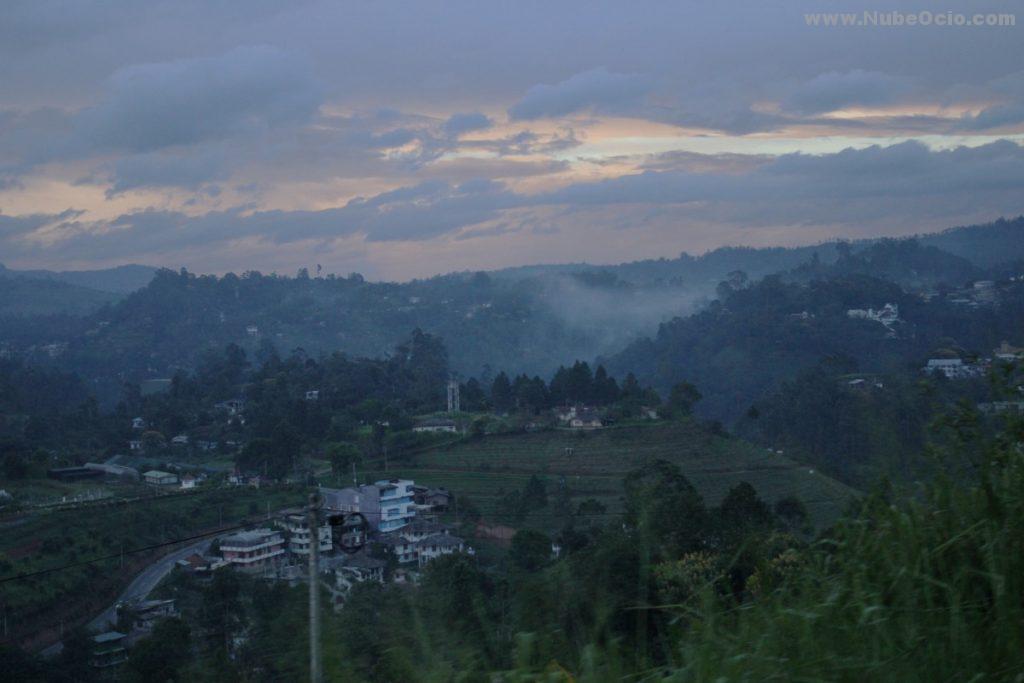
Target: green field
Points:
(593, 465)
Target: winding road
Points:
(139, 588)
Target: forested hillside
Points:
(756, 336)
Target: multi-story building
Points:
(296, 525)
(387, 505)
(253, 550)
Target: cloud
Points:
(836, 90)
(595, 89)
(163, 169)
(457, 124)
(149, 107)
(1009, 112)
(905, 183)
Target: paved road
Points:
(146, 581)
(139, 588)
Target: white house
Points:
(188, 482)
(180, 440)
(586, 419)
(138, 423)
(952, 368)
(436, 426)
(160, 478)
(437, 545)
(313, 395)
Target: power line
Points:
(117, 555)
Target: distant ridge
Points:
(118, 280)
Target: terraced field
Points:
(593, 465)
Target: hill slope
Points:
(593, 465)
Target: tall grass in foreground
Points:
(925, 590)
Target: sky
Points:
(407, 139)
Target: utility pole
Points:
(315, 675)
(355, 482)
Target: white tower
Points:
(453, 396)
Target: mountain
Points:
(525, 320)
(986, 245)
(118, 280)
(745, 345)
(28, 297)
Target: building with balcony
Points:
(254, 550)
(296, 527)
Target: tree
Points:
(665, 508)
(742, 509)
(792, 511)
(501, 393)
(342, 456)
(530, 550)
(159, 657)
(76, 656)
(682, 398)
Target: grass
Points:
(925, 590)
(593, 465)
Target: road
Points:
(139, 588)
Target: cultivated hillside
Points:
(593, 464)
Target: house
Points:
(143, 614)
(357, 568)
(1002, 407)
(862, 384)
(1008, 353)
(233, 406)
(437, 545)
(138, 423)
(109, 470)
(432, 498)
(255, 550)
(135, 445)
(565, 413)
(952, 368)
(984, 291)
(201, 566)
(387, 504)
(586, 419)
(252, 330)
(180, 440)
(436, 426)
(188, 482)
(887, 315)
(403, 550)
(73, 473)
(313, 395)
(296, 527)
(108, 649)
(419, 529)
(649, 412)
(159, 478)
(206, 445)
